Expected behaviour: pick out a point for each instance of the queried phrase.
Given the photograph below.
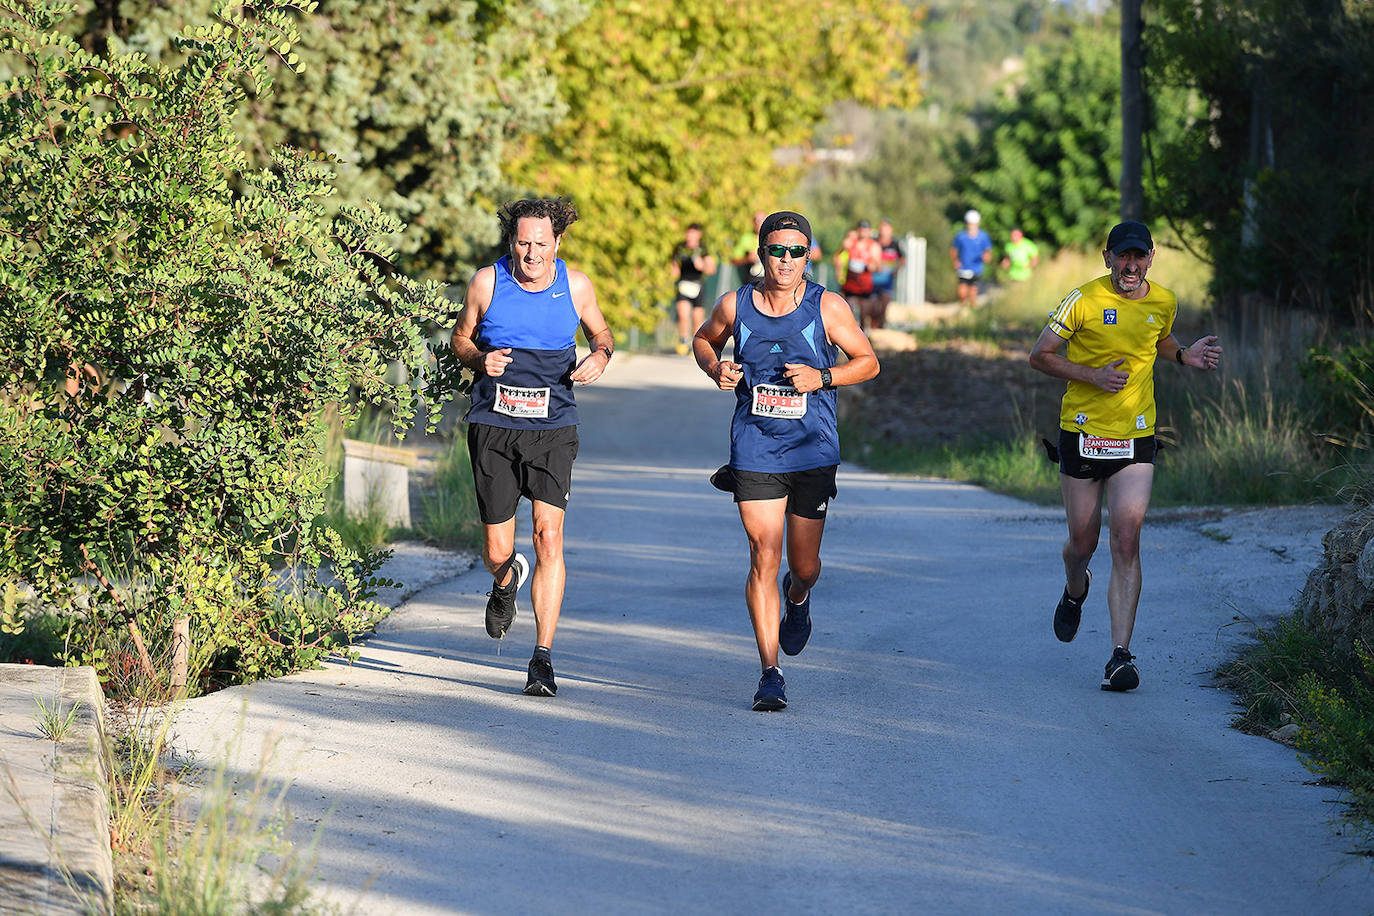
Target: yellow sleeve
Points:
(1067, 318)
(1173, 314)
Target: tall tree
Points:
(1274, 172)
(1047, 157)
(418, 100)
(675, 112)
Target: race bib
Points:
(778, 402)
(965, 274)
(858, 266)
(521, 402)
(1105, 449)
(688, 289)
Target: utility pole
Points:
(1132, 111)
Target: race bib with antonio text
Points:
(522, 402)
(1105, 449)
(778, 402)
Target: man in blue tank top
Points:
(516, 332)
(784, 443)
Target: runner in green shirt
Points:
(1020, 255)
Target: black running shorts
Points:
(1073, 464)
(808, 492)
(510, 463)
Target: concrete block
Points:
(54, 795)
(377, 478)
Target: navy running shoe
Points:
(1120, 674)
(795, 627)
(770, 696)
(1070, 612)
(501, 599)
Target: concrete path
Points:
(942, 752)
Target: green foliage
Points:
(1016, 467)
(1273, 170)
(904, 178)
(1342, 379)
(170, 344)
(211, 860)
(1047, 157)
(674, 114)
(449, 516)
(1291, 675)
(964, 44)
(53, 721)
(418, 101)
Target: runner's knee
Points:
(1126, 543)
(548, 540)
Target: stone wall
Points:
(1338, 600)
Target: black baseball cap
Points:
(784, 219)
(1128, 235)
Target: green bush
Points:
(449, 517)
(175, 327)
(1291, 675)
(1341, 378)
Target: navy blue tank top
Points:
(536, 390)
(776, 428)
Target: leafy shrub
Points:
(1342, 379)
(175, 327)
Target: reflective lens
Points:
(777, 251)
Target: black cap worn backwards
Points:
(784, 219)
(1128, 235)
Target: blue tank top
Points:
(535, 391)
(776, 428)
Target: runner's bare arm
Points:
(710, 341)
(1045, 357)
(599, 336)
(475, 301)
(844, 332)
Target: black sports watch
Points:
(826, 383)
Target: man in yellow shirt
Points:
(1114, 328)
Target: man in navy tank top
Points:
(516, 333)
(784, 444)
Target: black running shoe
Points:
(1121, 674)
(501, 599)
(795, 628)
(770, 696)
(541, 682)
(1070, 612)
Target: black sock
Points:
(542, 650)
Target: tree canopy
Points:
(1274, 172)
(1047, 155)
(418, 101)
(675, 112)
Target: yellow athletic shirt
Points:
(1101, 326)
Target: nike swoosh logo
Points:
(556, 295)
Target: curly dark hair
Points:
(559, 211)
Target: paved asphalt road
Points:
(941, 753)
